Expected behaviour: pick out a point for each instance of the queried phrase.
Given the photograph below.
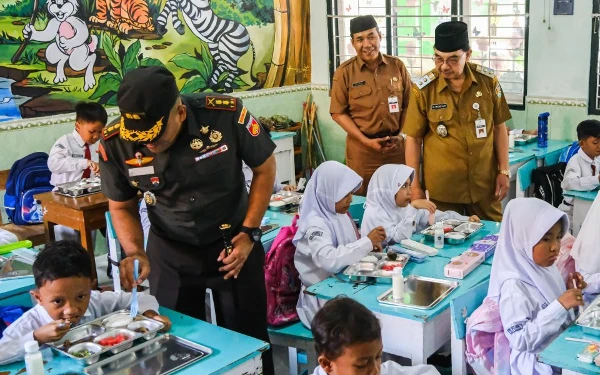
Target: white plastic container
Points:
(438, 235)
(397, 284)
(34, 363)
(511, 140)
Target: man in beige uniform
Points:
(368, 99)
(457, 112)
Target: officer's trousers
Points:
(180, 274)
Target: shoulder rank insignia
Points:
(221, 102)
(111, 130)
(427, 79)
(484, 70)
(416, 92)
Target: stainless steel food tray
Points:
(523, 139)
(86, 186)
(589, 320)
(164, 355)
(420, 292)
(88, 332)
(458, 226)
(358, 274)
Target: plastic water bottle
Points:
(438, 235)
(34, 363)
(397, 284)
(543, 129)
(511, 140)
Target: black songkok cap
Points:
(362, 23)
(451, 36)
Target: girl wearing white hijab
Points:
(531, 294)
(389, 205)
(586, 250)
(327, 239)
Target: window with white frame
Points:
(497, 34)
(594, 98)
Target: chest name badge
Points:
(439, 106)
(393, 104)
(357, 84)
(212, 153)
(143, 171)
(480, 128)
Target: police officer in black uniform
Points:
(185, 153)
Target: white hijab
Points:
(586, 250)
(525, 222)
(330, 182)
(380, 207)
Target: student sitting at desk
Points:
(389, 205)
(583, 171)
(327, 239)
(62, 273)
(586, 251)
(75, 155)
(535, 306)
(348, 342)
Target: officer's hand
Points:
(475, 219)
(126, 270)
(392, 143)
(376, 144)
(502, 186)
(242, 246)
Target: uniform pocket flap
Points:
(439, 115)
(359, 92)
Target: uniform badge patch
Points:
(212, 153)
(139, 160)
(204, 129)
(149, 198)
(134, 183)
(215, 136)
(242, 118)
(196, 144)
(102, 152)
(253, 127)
(58, 145)
(111, 131)
(314, 234)
(439, 106)
(220, 102)
(155, 181)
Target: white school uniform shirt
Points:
(67, 158)
(393, 368)
(578, 175)
(248, 174)
(381, 210)
(527, 293)
(586, 249)
(326, 241)
(18, 333)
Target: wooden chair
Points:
(461, 307)
(34, 233)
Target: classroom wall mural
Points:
(54, 53)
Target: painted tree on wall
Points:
(64, 51)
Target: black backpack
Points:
(546, 183)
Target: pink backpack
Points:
(281, 278)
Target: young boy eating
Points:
(63, 280)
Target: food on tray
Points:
(455, 235)
(364, 266)
(82, 353)
(117, 321)
(113, 340)
(389, 266)
(67, 344)
(369, 259)
(448, 228)
(142, 330)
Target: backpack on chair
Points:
(27, 177)
(281, 278)
(546, 183)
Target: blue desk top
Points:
(278, 135)
(562, 353)
(12, 287)
(531, 150)
(230, 349)
(451, 251)
(585, 195)
(367, 294)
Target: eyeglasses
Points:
(452, 60)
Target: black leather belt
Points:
(383, 134)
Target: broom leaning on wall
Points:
(312, 143)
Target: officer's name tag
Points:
(480, 128)
(361, 83)
(141, 171)
(393, 104)
(77, 156)
(439, 106)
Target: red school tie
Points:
(88, 155)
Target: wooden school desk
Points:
(233, 353)
(84, 214)
(581, 205)
(410, 333)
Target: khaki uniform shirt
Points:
(363, 94)
(458, 168)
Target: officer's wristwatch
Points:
(505, 172)
(255, 234)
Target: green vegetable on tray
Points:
(82, 353)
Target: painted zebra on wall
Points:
(227, 40)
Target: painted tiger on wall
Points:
(123, 15)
